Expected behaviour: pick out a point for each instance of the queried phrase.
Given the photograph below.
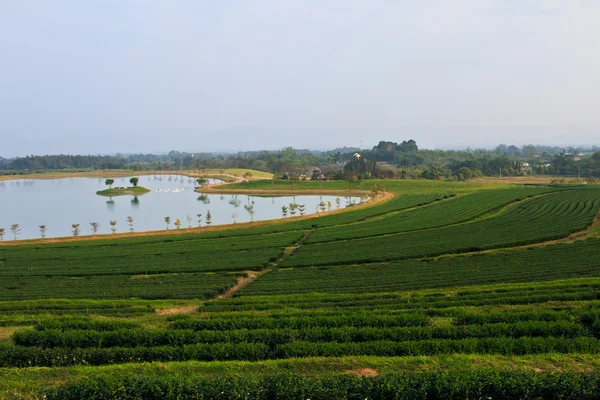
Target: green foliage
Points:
(542, 264)
(333, 302)
(134, 181)
(482, 383)
(547, 217)
(457, 209)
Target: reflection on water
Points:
(110, 204)
(204, 198)
(135, 202)
(60, 203)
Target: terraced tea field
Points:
(443, 291)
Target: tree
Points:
(464, 174)
(250, 209)
(113, 226)
(16, 230)
(75, 229)
(337, 203)
(329, 206)
(134, 181)
(234, 216)
(95, 226)
(247, 175)
(168, 222)
(208, 218)
(301, 209)
(109, 182)
(2, 232)
(43, 229)
(177, 223)
(322, 206)
(408, 147)
(359, 165)
(284, 211)
(529, 151)
(199, 216)
(130, 223)
(204, 198)
(293, 207)
(202, 181)
(190, 219)
(501, 149)
(234, 201)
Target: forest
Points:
(387, 159)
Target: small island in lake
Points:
(122, 191)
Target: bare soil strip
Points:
(179, 310)
(242, 282)
(580, 235)
(251, 276)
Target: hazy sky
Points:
(85, 76)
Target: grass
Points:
(239, 172)
(394, 186)
(132, 190)
(117, 173)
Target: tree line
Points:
(385, 160)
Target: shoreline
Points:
(214, 228)
(129, 191)
(119, 173)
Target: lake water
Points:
(59, 203)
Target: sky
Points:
(107, 76)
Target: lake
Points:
(59, 203)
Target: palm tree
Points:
(16, 230)
(235, 201)
(250, 209)
(75, 229)
(208, 218)
(95, 226)
(43, 229)
(199, 216)
(284, 211)
(168, 221)
(301, 209)
(130, 223)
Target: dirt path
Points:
(242, 282)
(251, 276)
(178, 310)
(579, 235)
